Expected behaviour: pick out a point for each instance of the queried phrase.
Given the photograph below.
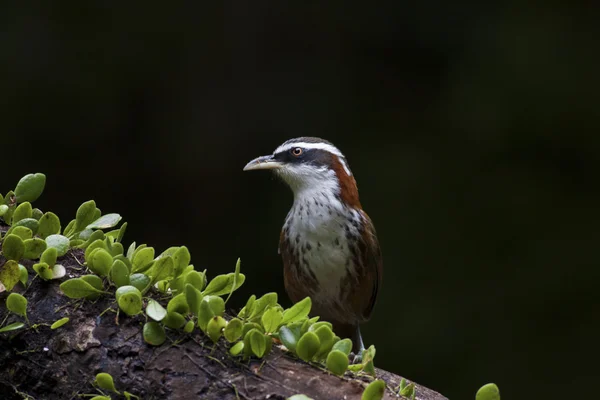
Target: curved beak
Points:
(264, 162)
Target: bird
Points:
(328, 243)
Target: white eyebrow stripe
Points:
(343, 162)
(306, 145)
(321, 146)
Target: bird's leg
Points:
(357, 346)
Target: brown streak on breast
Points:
(298, 284)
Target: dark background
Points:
(472, 132)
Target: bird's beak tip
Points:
(264, 162)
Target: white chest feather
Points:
(324, 230)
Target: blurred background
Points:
(472, 132)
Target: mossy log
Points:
(41, 363)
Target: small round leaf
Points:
(10, 274)
(13, 247)
(17, 304)
(308, 346)
(154, 333)
(488, 392)
(215, 327)
(174, 320)
(337, 362)
(155, 311)
(374, 391)
(105, 381)
(233, 330)
(59, 242)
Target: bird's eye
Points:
(296, 151)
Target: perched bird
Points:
(328, 243)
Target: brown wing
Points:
(370, 275)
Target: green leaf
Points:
(214, 327)
(236, 278)
(179, 304)
(155, 311)
(119, 274)
(325, 338)
(12, 327)
(205, 313)
(105, 381)
(129, 299)
(3, 209)
(43, 270)
(26, 222)
(271, 319)
(247, 309)
(49, 256)
(223, 284)
(96, 240)
(162, 269)
(374, 391)
(78, 288)
(408, 390)
(173, 320)
(59, 242)
(344, 345)
(93, 280)
(196, 279)
(299, 397)
(17, 304)
(193, 298)
(488, 392)
(49, 224)
(100, 398)
(251, 325)
(189, 327)
(85, 215)
(122, 232)
(30, 187)
(233, 330)
(36, 213)
(259, 306)
(216, 304)
(13, 247)
(10, 274)
(100, 262)
(257, 342)
(59, 323)
(143, 259)
(289, 337)
(236, 349)
(154, 333)
(308, 346)
(217, 284)
(104, 222)
(34, 248)
(140, 281)
(24, 210)
(22, 231)
(337, 362)
(23, 275)
(96, 244)
(181, 259)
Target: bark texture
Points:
(40, 363)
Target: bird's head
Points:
(309, 164)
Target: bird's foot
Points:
(355, 358)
